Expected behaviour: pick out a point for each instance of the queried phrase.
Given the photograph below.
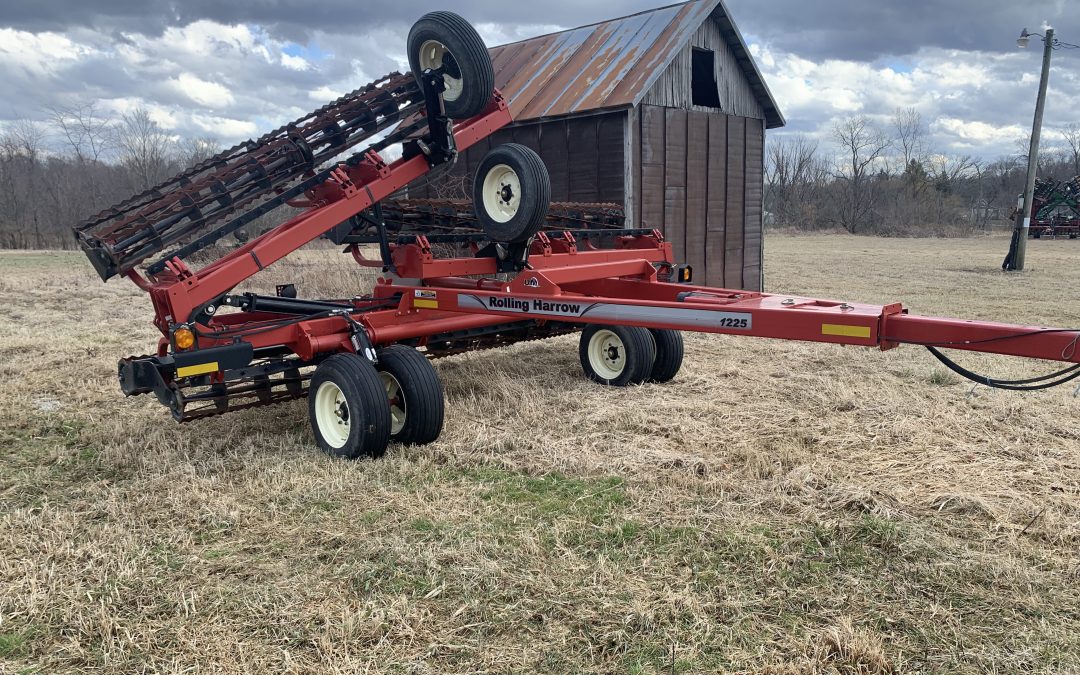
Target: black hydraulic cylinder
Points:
(276, 305)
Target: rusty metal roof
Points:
(612, 64)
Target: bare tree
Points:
(192, 151)
(1043, 162)
(84, 130)
(28, 136)
(1071, 134)
(949, 169)
(862, 145)
(794, 178)
(21, 155)
(910, 134)
(145, 149)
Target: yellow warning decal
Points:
(200, 369)
(425, 299)
(845, 330)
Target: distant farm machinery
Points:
(1055, 209)
(522, 269)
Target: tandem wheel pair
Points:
(357, 408)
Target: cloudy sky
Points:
(232, 69)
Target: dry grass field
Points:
(777, 508)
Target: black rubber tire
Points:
(669, 354)
(469, 54)
(362, 390)
(421, 390)
(640, 353)
(533, 201)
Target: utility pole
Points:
(1014, 261)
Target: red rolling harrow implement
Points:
(364, 363)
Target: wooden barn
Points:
(663, 112)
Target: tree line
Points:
(867, 178)
(888, 180)
(78, 162)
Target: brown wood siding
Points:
(695, 176)
(555, 151)
(736, 205)
(716, 207)
(672, 89)
(584, 158)
(632, 153)
(528, 135)
(610, 182)
(652, 167)
(701, 179)
(675, 224)
(697, 190)
(752, 237)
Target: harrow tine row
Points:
(221, 398)
(121, 237)
(195, 403)
(457, 216)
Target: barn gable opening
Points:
(703, 88)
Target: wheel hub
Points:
(332, 414)
(501, 193)
(433, 56)
(506, 193)
(396, 398)
(607, 354)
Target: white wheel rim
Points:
(432, 53)
(502, 193)
(332, 415)
(396, 397)
(607, 354)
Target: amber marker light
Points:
(183, 338)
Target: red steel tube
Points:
(387, 334)
(1034, 342)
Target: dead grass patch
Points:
(779, 507)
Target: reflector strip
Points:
(845, 330)
(199, 369)
(690, 319)
(425, 299)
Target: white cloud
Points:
(235, 78)
(206, 94)
(224, 127)
(501, 33)
(295, 62)
(975, 134)
(40, 53)
(208, 39)
(325, 93)
(974, 102)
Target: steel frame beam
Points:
(178, 294)
(621, 287)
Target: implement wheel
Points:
(511, 193)
(415, 394)
(347, 407)
(447, 41)
(669, 354)
(616, 355)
